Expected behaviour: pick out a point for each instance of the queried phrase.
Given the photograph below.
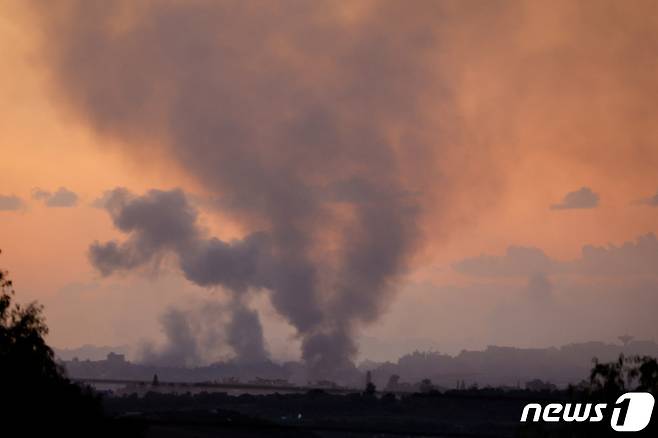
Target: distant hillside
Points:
(510, 366)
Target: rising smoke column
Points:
(305, 127)
(198, 334)
(162, 223)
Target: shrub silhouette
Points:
(634, 373)
(36, 396)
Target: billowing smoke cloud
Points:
(162, 223)
(325, 126)
(311, 161)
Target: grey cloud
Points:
(581, 198)
(639, 257)
(10, 203)
(651, 201)
(517, 261)
(40, 194)
(63, 197)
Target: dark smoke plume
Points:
(202, 334)
(162, 223)
(306, 128)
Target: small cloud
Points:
(40, 194)
(582, 198)
(638, 257)
(10, 203)
(63, 197)
(517, 261)
(651, 201)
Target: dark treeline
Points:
(485, 412)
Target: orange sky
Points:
(551, 106)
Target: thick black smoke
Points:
(305, 128)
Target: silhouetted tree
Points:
(426, 385)
(23, 351)
(36, 395)
(371, 389)
(645, 369)
(608, 378)
(616, 377)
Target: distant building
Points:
(540, 385)
(328, 384)
(116, 358)
(270, 382)
(393, 383)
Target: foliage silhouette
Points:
(36, 395)
(634, 373)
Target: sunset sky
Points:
(509, 149)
